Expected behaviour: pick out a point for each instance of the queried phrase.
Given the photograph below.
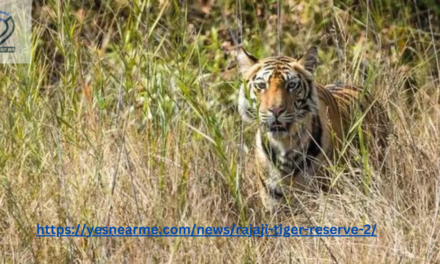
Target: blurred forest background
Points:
(127, 117)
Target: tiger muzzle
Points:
(277, 126)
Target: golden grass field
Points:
(127, 117)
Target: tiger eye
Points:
(292, 85)
(260, 85)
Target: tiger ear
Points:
(310, 59)
(245, 60)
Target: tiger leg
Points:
(271, 201)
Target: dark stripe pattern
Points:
(295, 162)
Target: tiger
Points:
(302, 125)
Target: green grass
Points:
(127, 117)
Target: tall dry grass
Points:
(127, 117)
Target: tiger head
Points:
(277, 92)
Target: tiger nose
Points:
(277, 111)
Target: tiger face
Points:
(277, 92)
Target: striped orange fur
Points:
(302, 124)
